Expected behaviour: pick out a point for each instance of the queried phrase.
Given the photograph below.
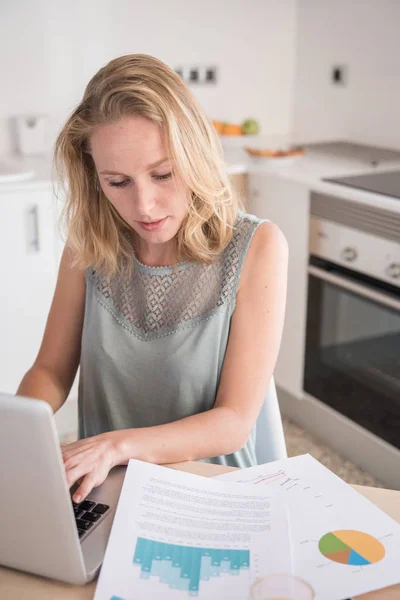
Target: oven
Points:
(352, 350)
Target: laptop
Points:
(42, 530)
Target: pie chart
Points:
(351, 547)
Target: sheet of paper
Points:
(177, 535)
(342, 544)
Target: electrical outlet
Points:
(184, 72)
(211, 75)
(179, 71)
(339, 75)
(192, 74)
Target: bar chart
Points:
(184, 568)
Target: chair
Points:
(270, 439)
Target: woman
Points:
(169, 298)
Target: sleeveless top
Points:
(153, 343)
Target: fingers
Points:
(80, 464)
(89, 477)
(87, 485)
(76, 472)
(90, 481)
(88, 462)
(70, 450)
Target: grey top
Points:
(153, 344)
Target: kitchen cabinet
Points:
(286, 203)
(28, 277)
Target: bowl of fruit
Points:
(280, 155)
(247, 127)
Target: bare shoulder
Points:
(60, 348)
(70, 290)
(68, 262)
(267, 237)
(268, 252)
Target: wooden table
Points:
(15, 585)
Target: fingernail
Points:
(78, 499)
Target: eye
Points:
(163, 177)
(118, 183)
(125, 182)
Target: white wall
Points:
(251, 42)
(274, 59)
(363, 34)
(49, 49)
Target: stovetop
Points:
(386, 183)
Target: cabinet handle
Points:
(33, 229)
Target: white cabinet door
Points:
(28, 277)
(286, 203)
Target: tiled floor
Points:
(299, 441)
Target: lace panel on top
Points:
(157, 301)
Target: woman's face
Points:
(135, 173)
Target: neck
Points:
(156, 255)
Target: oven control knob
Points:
(349, 254)
(393, 270)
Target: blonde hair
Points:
(139, 84)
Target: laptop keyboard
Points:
(87, 513)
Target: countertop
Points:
(308, 170)
(15, 585)
(42, 177)
(43, 172)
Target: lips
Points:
(152, 225)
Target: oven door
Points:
(352, 358)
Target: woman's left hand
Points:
(91, 460)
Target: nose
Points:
(145, 200)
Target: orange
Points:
(232, 129)
(219, 126)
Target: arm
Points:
(51, 376)
(254, 339)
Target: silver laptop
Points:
(42, 532)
